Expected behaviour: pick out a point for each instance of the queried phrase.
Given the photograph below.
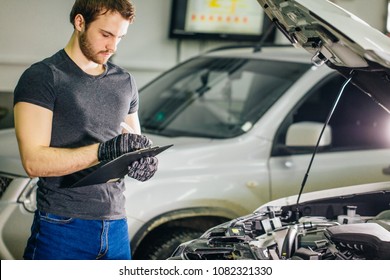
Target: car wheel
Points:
(163, 245)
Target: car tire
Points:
(164, 244)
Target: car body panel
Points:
(15, 224)
(361, 167)
(346, 191)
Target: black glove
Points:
(143, 169)
(121, 144)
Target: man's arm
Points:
(132, 121)
(33, 132)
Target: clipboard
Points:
(118, 168)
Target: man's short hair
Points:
(91, 9)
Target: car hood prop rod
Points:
(297, 216)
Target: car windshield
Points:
(214, 97)
(6, 110)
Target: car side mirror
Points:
(305, 135)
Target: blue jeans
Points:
(60, 238)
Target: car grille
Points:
(4, 183)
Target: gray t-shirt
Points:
(86, 109)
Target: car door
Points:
(360, 145)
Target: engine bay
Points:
(355, 227)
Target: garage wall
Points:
(33, 30)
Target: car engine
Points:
(297, 232)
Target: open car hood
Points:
(338, 38)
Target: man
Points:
(68, 109)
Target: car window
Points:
(215, 97)
(358, 122)
(6, 110)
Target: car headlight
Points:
(29, 195)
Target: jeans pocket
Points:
(55, 219)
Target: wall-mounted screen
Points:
(242, 20)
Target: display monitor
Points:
(241, 20)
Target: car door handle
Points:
(386, 170)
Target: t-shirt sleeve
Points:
(36, 86)
(135, 98)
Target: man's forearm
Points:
(50, 161)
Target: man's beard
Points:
(88, 51)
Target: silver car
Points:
(349, 223)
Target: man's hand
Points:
(143, 169)
(122, 144)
